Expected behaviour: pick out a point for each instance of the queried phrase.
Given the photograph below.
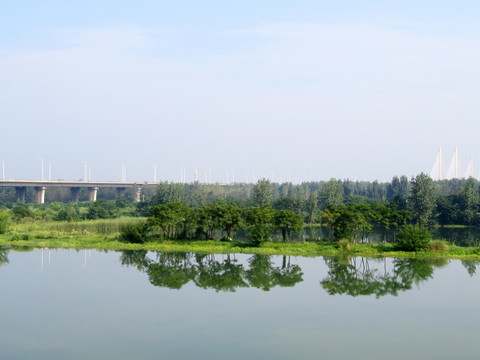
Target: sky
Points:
(290, 91)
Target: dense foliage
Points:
(349, 209)
(413, 238)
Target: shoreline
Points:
(110, 242)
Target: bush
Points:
(21, 236)
(133, 233)
(413, 238)
(345, 244)
(4, 221)
(21, 211)
(69, 213)
(438, 246)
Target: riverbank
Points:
(311, 248)
(104, 234)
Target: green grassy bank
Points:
(103, 234)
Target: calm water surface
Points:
(67, 304)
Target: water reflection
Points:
(3, 256)
(354, 277)
(462, 236)
(471, 266)
(174, 270)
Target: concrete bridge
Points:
(41, 186)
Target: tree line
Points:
(175, 220)
(349, 209)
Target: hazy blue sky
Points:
(304, 89)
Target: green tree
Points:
(346, 221)
(262, 193)
(68, 213)
(383, 219)
(167, 193)
(287, 221)
(448, 210)
(171, 218)
(469, 201)
(397, 219)
(329, 218)
(331, 193)
(294, 204)
(21, 211)
(311, 208)
(4, 221)
(205, 221)
(422, 200)
(260, 221)
(101, 209)
(133, 233)
(413, 238)
(229, 217)
(398, 191)
(367, 217)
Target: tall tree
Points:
(172, 218)
(167, 193)
(262, 193)
(331, 193)
(311, 208)
(470, 200)
(422, 200)
(260, 220)
(229, 217)
(398, 191)
(287, 221)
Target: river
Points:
(88, 304)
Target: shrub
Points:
(438, 246)
(413, 238)
(345, 244)
(21, 211)
(4, 221)
(260, 220)
(133, 233)
(21, 236)
(69, 213)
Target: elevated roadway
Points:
(41, 186)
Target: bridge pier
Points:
(20, 193)
(75, 192)
(40, 194)
(138, 194)
(72, 190)
(121, 192)
(92, 193)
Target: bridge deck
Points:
(62, 183)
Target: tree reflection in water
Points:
(346, 275)
(3, 256)
(353, 276)
(174, 270)
(471, 266)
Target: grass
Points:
(104, 226)
(103, 234)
